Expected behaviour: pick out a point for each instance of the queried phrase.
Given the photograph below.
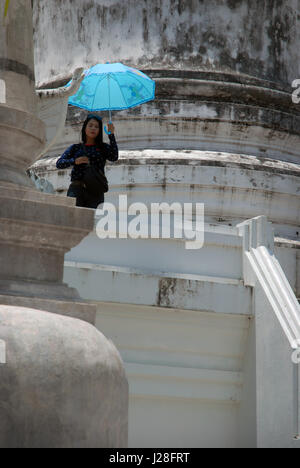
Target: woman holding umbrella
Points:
(92, 151)
(110, 87)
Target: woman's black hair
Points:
(99, 139)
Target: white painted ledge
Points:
(137, 271)
(105, 283)
(178, 382)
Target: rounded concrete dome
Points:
(63, 384)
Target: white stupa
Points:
(207, 335)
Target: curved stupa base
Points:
(62, 385)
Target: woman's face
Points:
(92, 129)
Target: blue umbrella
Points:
(113, 86)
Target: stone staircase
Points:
(182, 321)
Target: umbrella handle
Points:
(105, 129)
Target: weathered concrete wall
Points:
(223, 69)
(248, 37)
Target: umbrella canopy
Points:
(113, 87)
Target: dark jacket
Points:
(97, 157)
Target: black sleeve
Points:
(67, 159)
(111, 151)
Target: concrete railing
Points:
(262, 269)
